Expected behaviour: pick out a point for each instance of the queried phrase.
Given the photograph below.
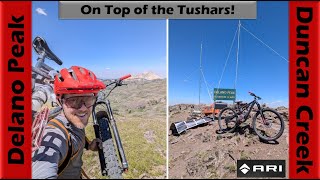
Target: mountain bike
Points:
(105, 128)
(267, 123)
(104, 123)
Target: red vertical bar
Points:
(1, 87)
(15, 92)
(304, 146)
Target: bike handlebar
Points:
(118, 82)
(124, 77)
(252, 94)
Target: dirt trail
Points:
(202, 153)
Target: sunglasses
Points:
(77, 101)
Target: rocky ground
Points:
(203, 153)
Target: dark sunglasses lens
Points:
(72, 102)
(76, 102)
(89, 101)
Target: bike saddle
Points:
(42, 48)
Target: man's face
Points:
(78, 108)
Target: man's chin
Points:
(77, 122)
(79, 125)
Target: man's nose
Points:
(83, 107)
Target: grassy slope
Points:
(140, 112)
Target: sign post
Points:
(223, 94)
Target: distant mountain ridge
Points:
(149, 75)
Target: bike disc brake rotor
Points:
(268, 123)
(230, 120)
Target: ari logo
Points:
(244, 168)
(261, 168)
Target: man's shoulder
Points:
(54, 140)
(54, 137)
(57, 129)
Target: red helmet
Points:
(76, 80)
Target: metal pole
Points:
(235, 81)
(200, 73)
(214, 107)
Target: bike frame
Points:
(241, 112)
(250, 106)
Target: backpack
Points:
(38, 126)
(57, 124)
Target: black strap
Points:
(86, 145)
(66, 161)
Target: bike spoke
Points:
(227, 120)
(269, 125)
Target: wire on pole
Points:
(235, 81)
(205, 81)
(234, 37)
(264, 43)
(200, 73)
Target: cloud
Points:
(278, 103)
(41, 11)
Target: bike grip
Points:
(125, 77)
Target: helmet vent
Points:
(81, 70)
(91, 75)
(60, 77)
(73, 74)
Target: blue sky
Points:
(110, 48)
(260, 70)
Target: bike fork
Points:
(100, 151)
(262, 116)
(117, 137)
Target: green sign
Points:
(224, 94)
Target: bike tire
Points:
(221, 120)
(113, 168)
(254, 124)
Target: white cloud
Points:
(278, 103)
(41, 11)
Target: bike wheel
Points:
(113, 168)
(227, 120)
(271, 128)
